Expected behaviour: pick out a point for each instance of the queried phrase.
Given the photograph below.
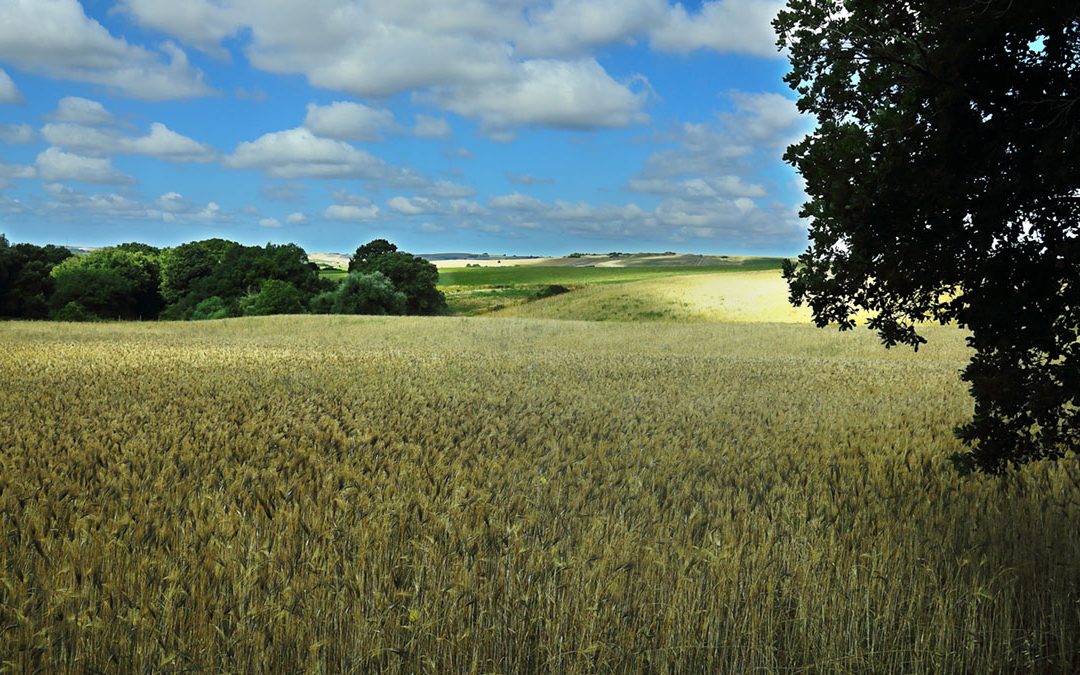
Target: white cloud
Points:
(9, 93)
(203, 24)
(720, 152)
(447, 189)
(161, 142)
(16, 171)
(414, 205)
(55, 38)
(77, 110)
(298, 153)
(516, 202)
(164, 143)
(17, 134)
(348, 121)
(174, 207)
(428, 126)
(348, 212)
(570, 27)
(563, 94)
(56, 165)
(699, 188)
(452, 53)
(269, 222)
(173, 202)
(730, 26)
(295, 218)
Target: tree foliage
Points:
(110, 283)
(943, 178)
(274, 297)
(372, 293)
(417, 278)
(25, 282)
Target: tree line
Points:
(208, 279)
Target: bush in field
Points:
(368, 294)
(210, 308)
(323, 303)
(73, 311)
(275, 297)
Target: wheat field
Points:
(326, 494)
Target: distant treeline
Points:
(210, 279)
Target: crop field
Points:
(745, 297)
(481, 290)
(345, 494)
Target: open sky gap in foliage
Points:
(507, 126)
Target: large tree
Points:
(944, 185)
(417, 278)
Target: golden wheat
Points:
(456, 495)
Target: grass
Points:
(335, 494)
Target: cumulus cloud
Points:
(298, 153)
(8, 171)
(720, 152)
(270, 222)
(55, 38)
(78, 110)
(562, 94)
(736, 220)
(202, 24)
(732, 26)
(351, 213)
(516, 202)
(161, 142)
(413, 206)
(295, 218)
(173, 207)
(570, 27)
(428, 126)
(347, 121)
(456, 53)
(56, 165)
(9, 93)
(17, 134)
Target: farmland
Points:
(345, 494)
(481, 290)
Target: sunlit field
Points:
(334, 494)
(717, 297)
(474, 291)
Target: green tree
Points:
(417, 278)
(274, 297)
(943, 178)
(372, 249)
(110, 284)
(372, 293)
(25, 282)
(183, 266)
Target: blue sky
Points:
(500, 126)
